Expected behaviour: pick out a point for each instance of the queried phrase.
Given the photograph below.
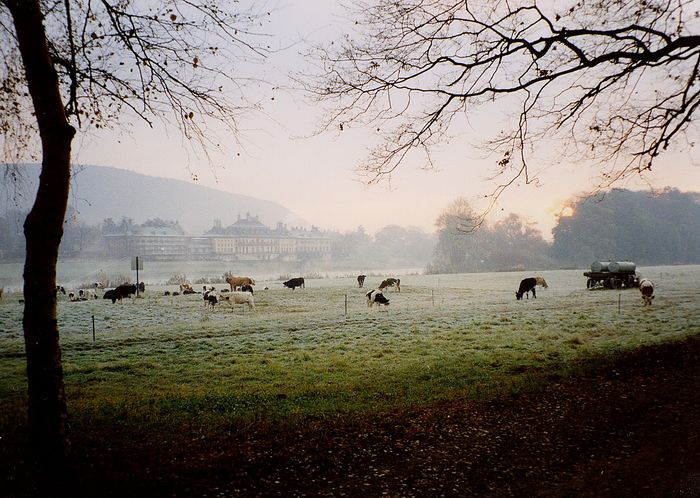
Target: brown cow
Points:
(238, 282)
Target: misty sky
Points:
(282, 160)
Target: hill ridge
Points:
(100, 192)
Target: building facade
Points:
(246, 240)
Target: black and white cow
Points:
(376, 296)
(390, 282)
(361, 280)
(210, 298)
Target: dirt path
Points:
(628, 429)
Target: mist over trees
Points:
(509, 244)
(391, 246)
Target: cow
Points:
(646, 289)
(527, 285)
(247, 288)
(236, 282)
(98, 285)
(361, 280)
(376, 296)
(87, 294)
(186, 288)
(120, 292)
(390, 282)
(82, 295)
(61, 289)
(293, 283)
(238, 297)
(210, 298)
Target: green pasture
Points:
(160, 363)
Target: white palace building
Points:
(245, 240)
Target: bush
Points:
(176, 279)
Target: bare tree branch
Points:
(618, 80)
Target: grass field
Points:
(164, 361)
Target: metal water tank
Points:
(598, 266)
(622, 267)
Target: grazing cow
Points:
(247, 288)
(527, 285)
(646, 289)
(376, 296)
(361, 280)
(120, 292)
(390, 282)
(166, 293)
(61, 289)
(237, 297)
(237, 282)
(293, 283)
(87, 294)
(98, 285)
(82, 295)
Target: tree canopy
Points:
(648, 228)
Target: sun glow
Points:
(566, 212)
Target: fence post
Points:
(346, 305)
(619, 302)
(93, 328)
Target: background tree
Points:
(614, 82)
(661, 228)
(517, 245)
(71, 66)
(506, 245)
(456, 252)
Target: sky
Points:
(280, 158)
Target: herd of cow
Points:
(241, 291)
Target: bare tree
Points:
(81, 65)
(615, 82)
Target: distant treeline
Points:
(644, 227)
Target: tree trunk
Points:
(43, 229)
